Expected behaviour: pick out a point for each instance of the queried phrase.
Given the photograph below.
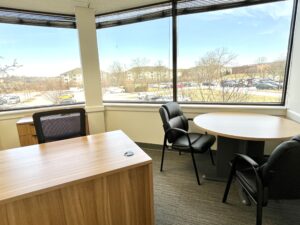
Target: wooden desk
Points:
(79, 181)
(244, 133)
(26, 131)
(27, 134)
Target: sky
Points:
(247, 32)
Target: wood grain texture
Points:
(80, 181)
(36, 168)
(117, 199)
(247, 126)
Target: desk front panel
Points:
(123, 198)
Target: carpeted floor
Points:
(179, 200)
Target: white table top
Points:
(247, 126)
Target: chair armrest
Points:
(247, 159)
(254, 166)
(180, 131)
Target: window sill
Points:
(198, 108)
(16, 114)
(140, 107)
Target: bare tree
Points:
(138, 72)
(212, 68)
(5, 69)
(262, 68)
(277, 70)
(118, 75)
(4, 74)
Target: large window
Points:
(228, 52)
(135, 62)
(234, 55)
(39, 66)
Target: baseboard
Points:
(149, 146)
(293, 115)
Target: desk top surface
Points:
(247, 126)
(36, 169)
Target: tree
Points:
(262, 67)
(118, 75)
(277, 69)
(4, 73)
(212, 68)
(138, 72)
(5, 69)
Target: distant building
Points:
(149, 73)
(72, 76)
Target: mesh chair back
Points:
(59, 124)
(172, 117)
(281, 172)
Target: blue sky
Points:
(248, 32)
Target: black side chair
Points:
(59, 124)
(277, 178)
(176, 128)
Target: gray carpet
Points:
(179, 200)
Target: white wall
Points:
(293, 94)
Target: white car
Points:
(115, 90)
(13, 99)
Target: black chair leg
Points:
(179, 152)
(211, 157)
(228, 184)
(195, 167)
(163, 155)
(259, 209)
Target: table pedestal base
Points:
(227, 147)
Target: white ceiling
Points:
(67, 6)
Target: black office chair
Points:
(176, 128)
(59, 124)
(277, 178)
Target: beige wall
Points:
(143, 124)
(8, 134)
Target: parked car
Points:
(67, 101)
(228, 83)
(144, 96)
(2, 101)
(207, 83)
(115, 90)
(13, 99)
(266, 85)
(66, 95)
(251, 82)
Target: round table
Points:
(243, 133)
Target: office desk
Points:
(243, 133)
(79, 181)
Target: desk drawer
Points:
(26, 129)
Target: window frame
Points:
(175, 14)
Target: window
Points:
(234, 55)
(135, 62)
(228, 52)
(39, 66)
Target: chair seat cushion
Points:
(200, 142)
